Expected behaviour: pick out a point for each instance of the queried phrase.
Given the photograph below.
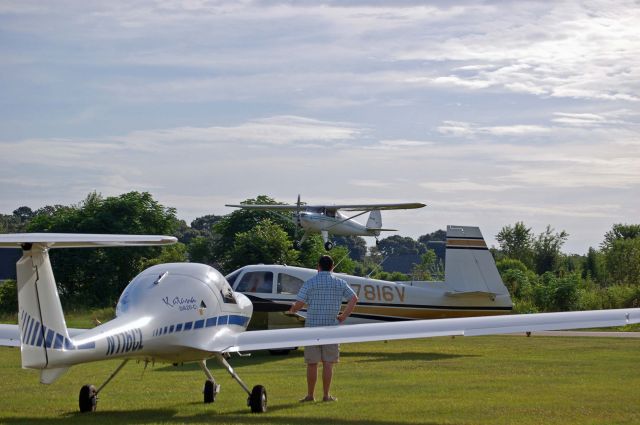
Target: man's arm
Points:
(295, 307)
(347, 311)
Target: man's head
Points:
(325, 263)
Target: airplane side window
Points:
(288, 284)
(261, 282)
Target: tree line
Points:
(539, 276)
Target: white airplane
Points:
(183, 312)
(327, 219)
(472, 286)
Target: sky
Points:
(489, 112)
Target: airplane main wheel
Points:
(328, 245)
(88, 398)
(296, 245)
(209, 391)
(258, 399)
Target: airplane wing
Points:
(72, 240)
(266, 207)
(346, 207)
(468, 326)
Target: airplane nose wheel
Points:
(258, 399)
(328, 245)
(88, 398)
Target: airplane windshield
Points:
(256, 282)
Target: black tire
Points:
(87, 399)
(328, 245)
(296, 245)
(258, 399)
(209, 391)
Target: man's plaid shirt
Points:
(323, 295)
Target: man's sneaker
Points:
(307, 398)
(329, 398)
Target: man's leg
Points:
(312, 378)
(327, 374)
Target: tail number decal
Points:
(124, 342)
(380, 293)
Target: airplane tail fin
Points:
(375, 220)
(43, 330)
(470, 268)
(44, 337)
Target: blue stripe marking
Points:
(31, 326)
(188, 325)
(35, 334)
(59, 341)
(41, 336)
(211, 321)
(198, 324)
(223, 320)
(179, 327)
(164, 331)
(171, 329)
(49, 339)
(237, 320)
(87, 346)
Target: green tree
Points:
(438, 235)
(242, 221)
(96, 277)
(400, 245)
(8, 297)
(356, 246)
(546, 249)
(517, 242)
(594, 266)
(623, 261)
(429, 268)
(618, 232)
(264, 243)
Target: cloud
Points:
(466, 186)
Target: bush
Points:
(8, 297)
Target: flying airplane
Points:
(328, 219)
(181, 312)
(472, 287)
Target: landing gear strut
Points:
(88, 398)
(257, 399)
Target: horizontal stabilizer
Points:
(10, 335)
(470, 294)
(78, 240)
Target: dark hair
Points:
(325, 263)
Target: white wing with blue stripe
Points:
(468, 326)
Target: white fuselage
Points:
(319, 221)
(172, 320)
(273, 288)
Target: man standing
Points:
(323, 295)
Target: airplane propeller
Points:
(298, 224)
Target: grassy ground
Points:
(482, 380)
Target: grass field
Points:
(481, 380)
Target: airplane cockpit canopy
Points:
(180, 275)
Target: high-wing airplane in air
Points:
(182, 312)
(328, 219)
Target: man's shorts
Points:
(322, 353)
